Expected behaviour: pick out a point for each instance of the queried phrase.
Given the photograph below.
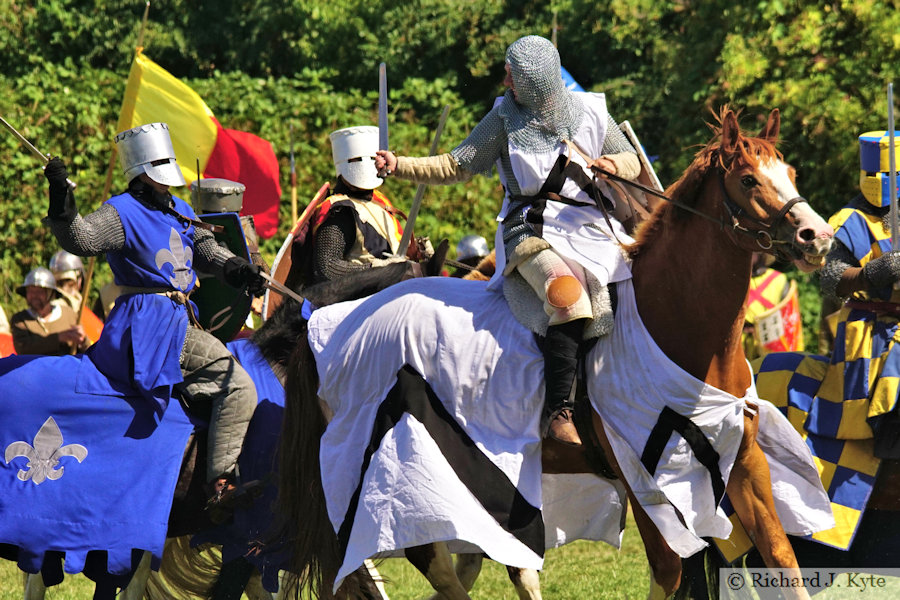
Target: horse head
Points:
(760, 195)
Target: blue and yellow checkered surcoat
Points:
(864, 374)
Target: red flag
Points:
(153, 94)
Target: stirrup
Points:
(561, 427)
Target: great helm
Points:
(217, 196)
(353, 150)
(472, 246)
(40, 277)
(148, 149)
(874, 165)
(66, 265)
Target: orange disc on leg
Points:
(563, 291)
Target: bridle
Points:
(763, 235)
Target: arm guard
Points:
(440, 169)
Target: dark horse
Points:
(690, 279)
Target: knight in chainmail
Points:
(861, 273)
(356, 227)
(525, 136)
(153, 244)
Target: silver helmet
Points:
(217, 196)
(41, 277)
(148, 149)
(66, 265)
(541, 112)
(472, 246)
(353, 150)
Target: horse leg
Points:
(665, 564)
(34, 586)
(138, 583)
(468, 567)
(750, 491)
(435, 562)
(527, 582)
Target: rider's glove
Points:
(883, 271)
(62, 201)
(240, 273)
(426, 250)
(383, 262)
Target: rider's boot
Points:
(560, 349)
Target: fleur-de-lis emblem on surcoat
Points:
(179, 256)
(44, 456)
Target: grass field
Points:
(581, 570)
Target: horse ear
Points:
(730, 132)
(772, 127)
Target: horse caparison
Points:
(691, 277)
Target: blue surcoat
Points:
(142, 338)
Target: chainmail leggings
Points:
(217, 387)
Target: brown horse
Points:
(690, 281)
(698, 295)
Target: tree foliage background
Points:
(264, 65)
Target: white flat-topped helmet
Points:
(353, 150)
(148, 149)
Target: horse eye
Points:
(748, 181)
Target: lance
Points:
(107, 184)
(420, 191)
(892, 166)
(293, 177)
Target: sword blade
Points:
(276, 286)
(382, 108)
(25, 142)
(45, 158)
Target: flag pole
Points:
(892, 166)
(107, 185)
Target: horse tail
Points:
(305, 527)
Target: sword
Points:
(274, 285)
(382, 111)
(45, 158)
(420, 191)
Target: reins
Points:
(764, 236)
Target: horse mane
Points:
(709, 159)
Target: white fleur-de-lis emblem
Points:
(180, 257)
(45, 454)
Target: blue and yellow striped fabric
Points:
(790, 381)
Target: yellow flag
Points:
(154, 95)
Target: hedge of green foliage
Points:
(263, 66)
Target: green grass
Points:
(581, 570)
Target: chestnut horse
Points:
(691, 277)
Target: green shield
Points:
(223, 309)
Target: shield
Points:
(223, 309)
(780, 329)
(281, 268)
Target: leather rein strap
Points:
(764, 237)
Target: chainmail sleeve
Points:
(836, 264)
(334, 238)
(478, 152)
(616, 141)
(95, 233)
(209, 255)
